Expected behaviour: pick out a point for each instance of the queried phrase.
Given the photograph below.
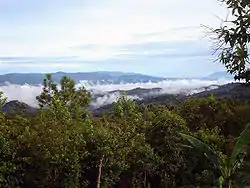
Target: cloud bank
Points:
(27, 93)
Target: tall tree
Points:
(74, 99)
(233, 37)
(3, 99)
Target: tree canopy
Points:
(233, 37)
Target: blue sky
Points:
(157, 37)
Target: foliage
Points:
(139, 145)
(76, 100)
(2, 99)
(232, 39)
(163, 137)
(126, 123)
(208, 113)
(226, 167)
(8, 170)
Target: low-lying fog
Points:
(102, 94)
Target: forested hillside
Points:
(62, 145)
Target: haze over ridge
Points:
(103, 91)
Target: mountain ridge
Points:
(98, 77)
(101, 77)
(219, 75)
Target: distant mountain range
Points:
(91, 77)
(103, 100)
(219, 75)
(101, 77)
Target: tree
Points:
(163, 137)
(8, 171)
(126, 108)
(74, 99)
(233, 37)
(138, 158)
(46, 150)
(3, 99)
(225, 168)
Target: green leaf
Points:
(221, 180)
(241, 145)
(202, 148)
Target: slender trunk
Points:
(145, 179)
(99, 173)
(227, 184)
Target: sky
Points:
(155, 37)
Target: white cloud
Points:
(168, 86)
(28, 93)
(183, 86)
(23, 93)
(109, 99)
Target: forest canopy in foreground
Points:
(132, 145)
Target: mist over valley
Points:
(107, 87)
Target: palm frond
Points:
(203, 148)
(241, 145)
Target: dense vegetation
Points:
(133, 145)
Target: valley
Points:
(105, 89)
